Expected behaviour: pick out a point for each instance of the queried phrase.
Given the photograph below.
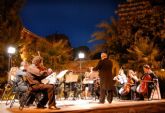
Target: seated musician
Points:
(36, 72)
(147, 82)
(135, 82)
(121, 79)
(19, 77)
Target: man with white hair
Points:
(37, 72)
(104, 67)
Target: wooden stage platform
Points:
(92, 106)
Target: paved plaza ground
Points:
(91, 105)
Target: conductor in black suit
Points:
(104, 67)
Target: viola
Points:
(43, 70)
(143, 86)
(126, 88)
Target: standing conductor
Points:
(104, 67)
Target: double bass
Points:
(143, 86)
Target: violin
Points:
(42, 68)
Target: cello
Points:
(143, 86)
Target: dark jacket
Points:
(105, 73)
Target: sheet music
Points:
(71, 78)
(62, 73)
(51, 79)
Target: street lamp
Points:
(11, 50)
(81, 56)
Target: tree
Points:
(59, 55)
(56, 37)
(142, 52)
(10, 27)
(55, 53)
(145, 20)
(112, 43)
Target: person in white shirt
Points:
(121, 79)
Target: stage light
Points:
(81, 55)
(11, 50)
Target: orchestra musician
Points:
(135, 82)
(88, 83)
(147, 82)
(125, 90)
(120, 79)
(36, 72)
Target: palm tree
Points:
(59, 54)
(55, 54)
(113, 42)
(142, 52)
(107, 34)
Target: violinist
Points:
(147, 82)
(36, 72)
(126, 88)
(135, 82)
(120, 79)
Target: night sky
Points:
(75, 18)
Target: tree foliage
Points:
(55, 54)
(134, 39)
(10, 26)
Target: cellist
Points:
(147, 82)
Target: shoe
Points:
(100, 102)
(40, 107)
(54, 108)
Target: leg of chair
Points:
(10, 96)
(153, 91)
(13, 100)
(23, 100)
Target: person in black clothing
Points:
(104, 67)
(147, 71)
(147, 83)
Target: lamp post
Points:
(81, 56)
(11, 50)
